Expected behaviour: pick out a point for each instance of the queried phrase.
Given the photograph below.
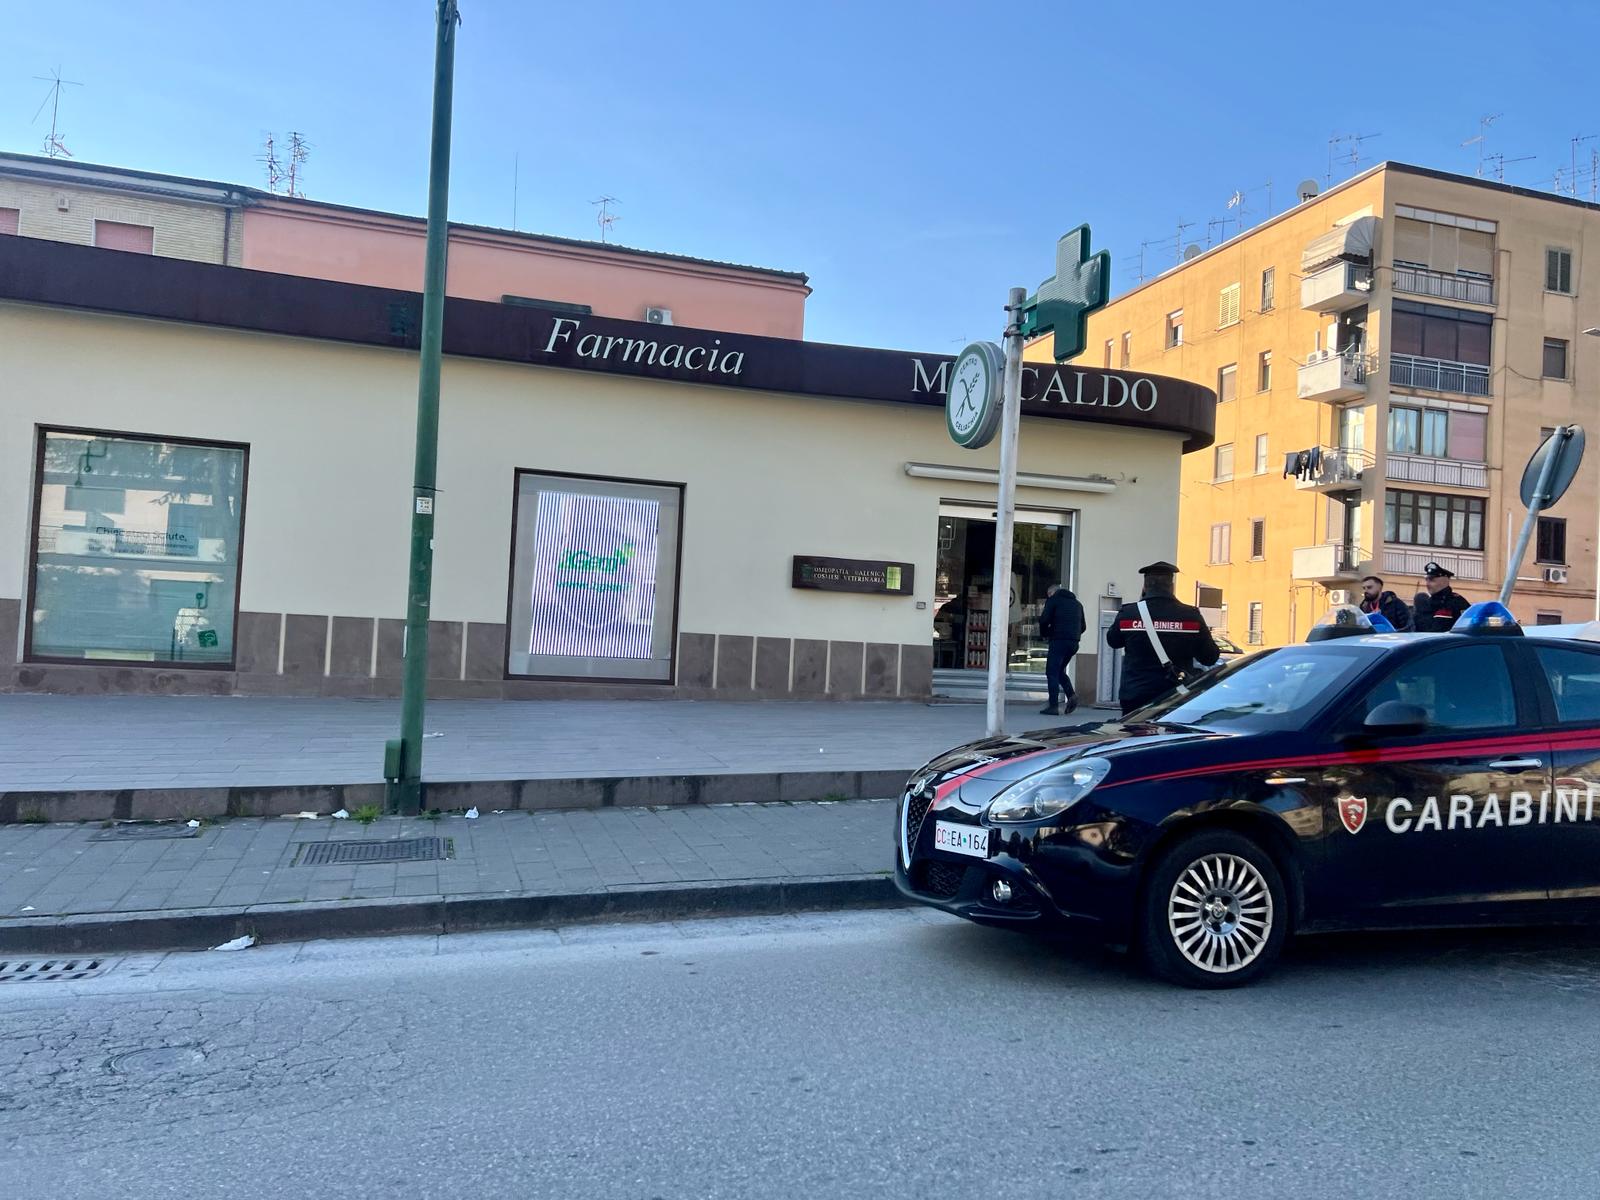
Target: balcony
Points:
(1331, 562)
(1335, 288)
(1443, 285)
(1336, 469)
(1438, 375)
(1333, 377)
(1418, 468)
(1408, 561)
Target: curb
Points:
(273, 800)
(202, 928)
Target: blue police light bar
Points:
(1379, 623)
(1345, 620)
(1488, 616)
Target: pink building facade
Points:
(325, 241)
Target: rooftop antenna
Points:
(1352, 155)
(269, 158)
(1484, 122)
(1182, 225)
(516, 170)
(299, 151)
(1575, 143)
(605, 218)
(1497, 164)
(53, 145)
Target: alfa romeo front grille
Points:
(939, 879)
(916, 810)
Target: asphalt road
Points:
(887, 1054)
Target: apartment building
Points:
(1386, 356)
(175, 217)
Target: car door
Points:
(1437, 826)
(1569, 674)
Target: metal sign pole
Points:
(1540, 499)
(1000, 602)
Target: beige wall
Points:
(182, 229)
(330, 429)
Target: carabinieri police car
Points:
(1351, 782)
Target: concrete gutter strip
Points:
(203, 928)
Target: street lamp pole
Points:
(403, 760)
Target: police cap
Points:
(1434, 571)
(1159, 568)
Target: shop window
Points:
(1228, 306)
(1221, 543)
(1425, 519)
(1552, 541)
(1254, 636)
(1269, 288)
(1174, 329)
(1258, 538)
(135, 549)
(1558, 270)
(8, 220)
(1555, 358)
(1127, 350)
(1227, 383)
(1222, 463)
(117, 235)
(594, 578)
(1261, 454)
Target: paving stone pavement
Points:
(83, 742)
(60, 870)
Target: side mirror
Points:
(1395, 718)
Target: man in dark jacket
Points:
(1182, 631)
(1062, 625)
(1439, 606)
(1393, 609)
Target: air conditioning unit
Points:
(63, 202)
(1338, 595)
(657, 316)
(1555, 574)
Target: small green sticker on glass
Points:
(207, 638)
(891, 578)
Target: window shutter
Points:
(8, 220)
(1411, 240)
(1228, 306)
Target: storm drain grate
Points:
(39, 970)
(121, 833)
(427, 849)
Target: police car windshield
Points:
(1279, 689)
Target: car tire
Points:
(1215, 912)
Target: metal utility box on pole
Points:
(403, 756)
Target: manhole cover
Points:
(157, 1058)
(121, 833)
(397, 850)
(40, 970)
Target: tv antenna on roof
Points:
(53, 145)
(1576, 142)
(1352, 155)
(605, 218)
(1497, 164)
(1484, 122)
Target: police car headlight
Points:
(1049, 793)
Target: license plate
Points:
(961, 839)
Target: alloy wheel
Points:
(1220, 913)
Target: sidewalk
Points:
(69, 888)
(160, 757)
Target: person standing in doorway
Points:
(1374, 599)
(1438, 606)
(1164, 641)
(1061, 624)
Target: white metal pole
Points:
(1000, 601)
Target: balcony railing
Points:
(1335, 288)
(1420, 281)
(1438, 375)
(1333, 376)
(1419, 468)
(1331, 560)
(1336, 467)
(1410, 561)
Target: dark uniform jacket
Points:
(1437, 614)
(1183, 634)
(1395, 610)
(1062, 618)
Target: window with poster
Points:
(135, 549)
(594, 578)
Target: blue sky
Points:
(915, 159)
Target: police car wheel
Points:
(1215, 914)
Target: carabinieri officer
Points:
(1439, 606)
(1182, 631)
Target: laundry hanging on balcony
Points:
(1303, 464)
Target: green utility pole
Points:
(403, 756)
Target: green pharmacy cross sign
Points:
(1063, 303)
